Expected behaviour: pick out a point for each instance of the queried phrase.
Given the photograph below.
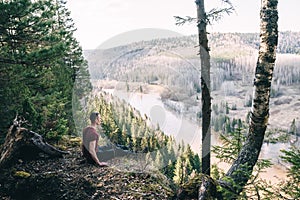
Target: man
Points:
(90, 149)
(90, 139)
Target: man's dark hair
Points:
(94, 116)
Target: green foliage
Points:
(40, 65)
(231, 145)
(257, 187)
(179, 172)
(124, 125)
(188, 163)
(277, 135)
(227, 194)
(216, 172)
(213, 15)
(220, 120)
(60, 128)
(291, 187)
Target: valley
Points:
(170, 68)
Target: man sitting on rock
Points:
(90, 148)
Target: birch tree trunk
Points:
(205, 86)
(242, 168)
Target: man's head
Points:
(95, 118)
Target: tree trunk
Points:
(205, 86)
(23, 144)
(242, 168)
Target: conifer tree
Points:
(169, 169)
(159, 159)
(293, 127)
(178, 172)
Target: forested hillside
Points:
(124, 63)
(124, 125)
(288, 42)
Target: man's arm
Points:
(92, 146)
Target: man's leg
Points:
(105, 153)
(109, 152)
(119, 152)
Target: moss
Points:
(22, 174)
(69, 141)
(75, 140)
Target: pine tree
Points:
(178, 172)
(144, 144)
(159, 159)
(196, 163)
(169, 169)
(148, 158)
(293, 127)
(226, 108)
(124, 134)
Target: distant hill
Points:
(150, 61)
(289, 42)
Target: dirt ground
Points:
(71, 178)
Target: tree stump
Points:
(23, 144)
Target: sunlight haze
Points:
(99, 20)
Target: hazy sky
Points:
(100, 20)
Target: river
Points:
(190, 132)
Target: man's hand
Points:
(103, 164)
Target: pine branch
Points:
(214, 15)
(181, 20)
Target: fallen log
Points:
(23, 144)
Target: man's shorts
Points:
(109, 152)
